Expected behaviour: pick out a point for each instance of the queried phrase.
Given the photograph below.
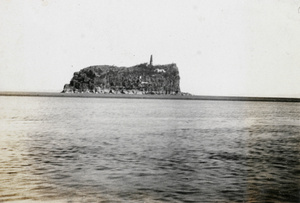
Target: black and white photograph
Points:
(149, 101)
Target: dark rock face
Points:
(140, 79)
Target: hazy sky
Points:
(222, 47)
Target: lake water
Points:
(141, 150)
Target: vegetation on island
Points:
(139, 79)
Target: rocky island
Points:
(144, 78)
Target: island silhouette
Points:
(144, 78)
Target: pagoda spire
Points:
(151, 60)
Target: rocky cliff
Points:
(140, 79)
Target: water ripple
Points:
(108, 150)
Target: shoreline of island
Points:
(146, 96)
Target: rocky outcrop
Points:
(140, 79)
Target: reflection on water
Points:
(127, 150)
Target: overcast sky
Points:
(222, 47)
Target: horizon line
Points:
(146, 96)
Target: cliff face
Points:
(139, 79)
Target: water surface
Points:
(140, 150)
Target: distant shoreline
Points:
(169, 97)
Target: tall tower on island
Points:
(151, 60)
